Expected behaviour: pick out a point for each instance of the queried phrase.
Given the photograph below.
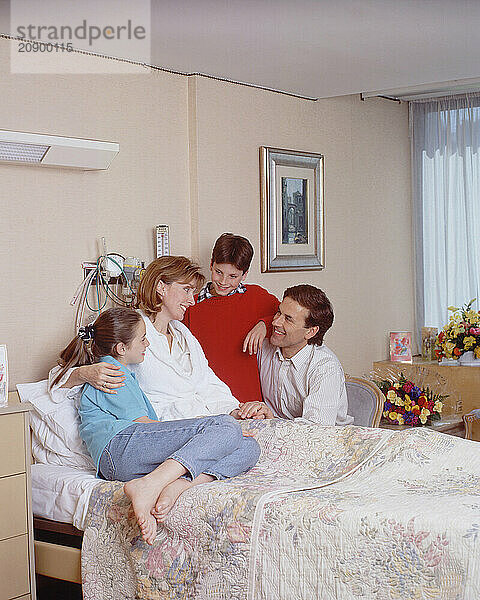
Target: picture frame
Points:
(401, 346)
(429, 338)
(3, 375)
(291, 210)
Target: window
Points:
(446, 195)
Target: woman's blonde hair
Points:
(168, 269)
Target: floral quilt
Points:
(328, 513)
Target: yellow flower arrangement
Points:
(461, 334)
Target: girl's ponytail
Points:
(99, 339)
(76, 354)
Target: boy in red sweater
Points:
(230, 319)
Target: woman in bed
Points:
(175, 374)
(159, 460)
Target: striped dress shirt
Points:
(309, 386)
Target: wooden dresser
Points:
(17, 570)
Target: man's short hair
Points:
(320, 310)
(233, 250)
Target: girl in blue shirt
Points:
(158, 459)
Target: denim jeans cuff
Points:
(216, 475)
(185, 464)
(106, 466)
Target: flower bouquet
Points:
(461, 334)
(407, 404)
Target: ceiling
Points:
(316, 48)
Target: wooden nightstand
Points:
(17, 569)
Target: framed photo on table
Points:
(292, 210)
(401, 346)
(3, 375)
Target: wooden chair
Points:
(365, 401)
(469, 419)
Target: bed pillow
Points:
(56, 439)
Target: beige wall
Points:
(189, 157)
(369, 267)
(52, 219)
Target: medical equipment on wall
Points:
(162, 239)
(133, 269)
(111, 278)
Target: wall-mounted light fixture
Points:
(55, 151)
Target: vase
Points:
(467, 359)
(449, 361)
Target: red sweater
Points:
(220, 324)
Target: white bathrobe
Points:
(180, 389)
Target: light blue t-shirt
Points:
(104, 415)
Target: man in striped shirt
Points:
(301, 378)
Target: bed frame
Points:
(57, 550)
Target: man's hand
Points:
(254, 338)
(252, 410)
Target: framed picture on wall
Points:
(292, 210)
(3, 375)
(401, 346)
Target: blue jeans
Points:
(211, 445)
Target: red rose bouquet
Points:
(407, 404)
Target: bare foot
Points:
(171, 492)
(143, 495)
(168, 497)
(144, 491)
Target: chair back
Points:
(472, 425)
(365, 401)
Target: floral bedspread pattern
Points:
(330, 513)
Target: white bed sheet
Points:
(62, 493)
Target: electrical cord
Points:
(103, 290)
(81, 296)
(111, 294)
(109, 256)
(97, 289)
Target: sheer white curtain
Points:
(446, 193)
